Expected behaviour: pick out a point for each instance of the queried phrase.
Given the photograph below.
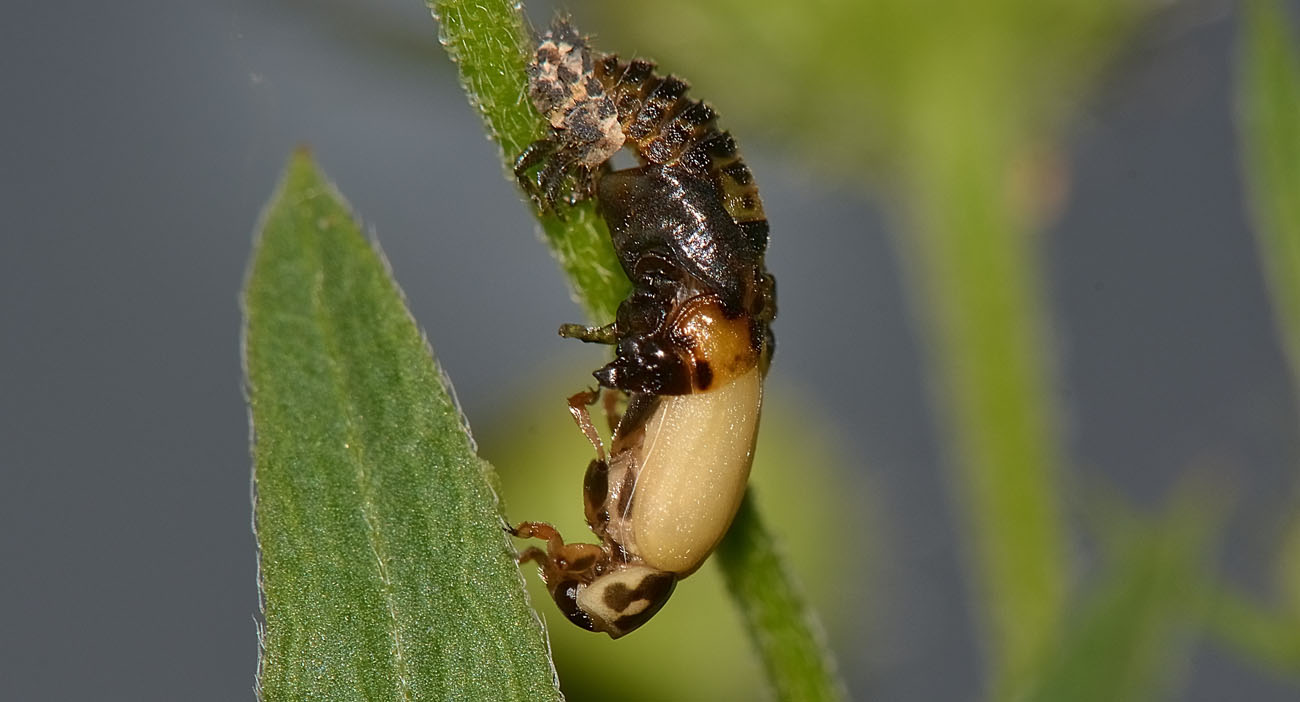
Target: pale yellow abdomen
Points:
(694, 465)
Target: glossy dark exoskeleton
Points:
(675, 240)
(686, 223)
(692, 340)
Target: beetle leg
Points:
(546, 559)
(554, 174)
(595, 493)
(607, 334)
(585, 188)
(559, 558)
(533, 155)
(539, 530)
(613, 414)
(578, 408)
(550, 572)
(534, 554)
(536, 152)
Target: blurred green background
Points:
(1031, 429)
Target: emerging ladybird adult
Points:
(692, 341)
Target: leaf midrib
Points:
(356, 452)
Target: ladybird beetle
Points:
(692, 341)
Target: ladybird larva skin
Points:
(612, 103)
(689, 221)
(692, 341)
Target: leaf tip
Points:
(301, 169)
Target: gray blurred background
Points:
(139, 141)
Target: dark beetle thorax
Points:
(688, 223)
(691, 341)
(665, 208)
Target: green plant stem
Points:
(490, 45)
(975, 272)
(789, 640)
(1269, 109)
(487, 40)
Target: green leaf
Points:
(1265, 636)
(1128, 638)
(1287, 571)
(1266, 633)
(1269, 119)
(487, 40)
(385, 572)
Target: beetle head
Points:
(621, 600)
(648, 364)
